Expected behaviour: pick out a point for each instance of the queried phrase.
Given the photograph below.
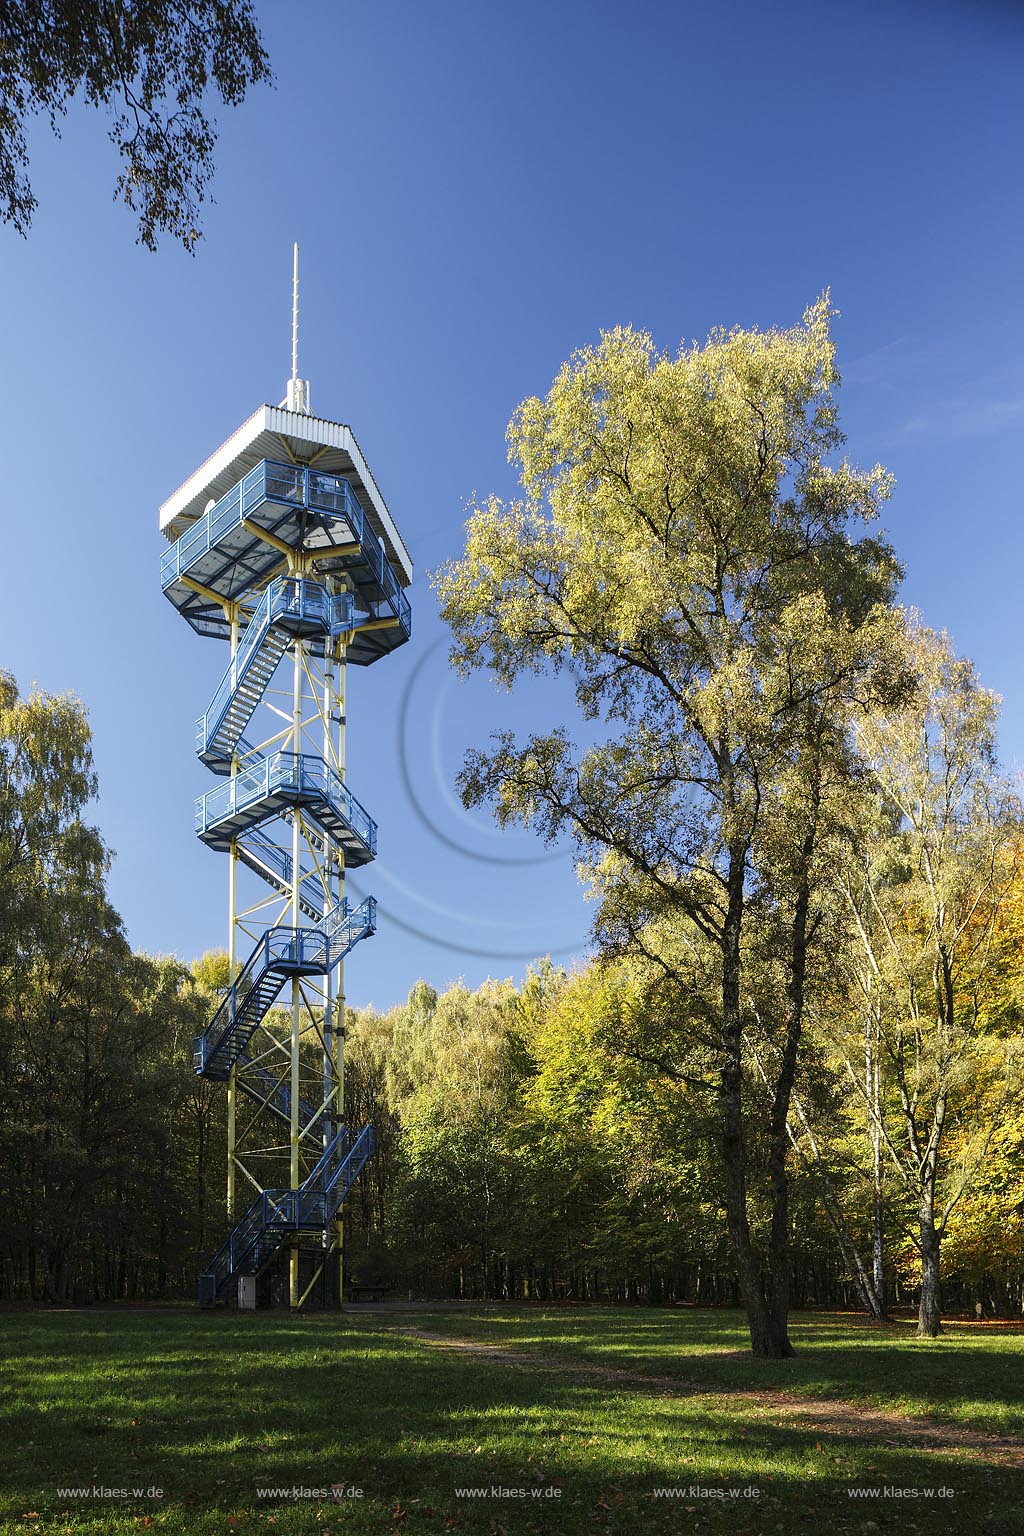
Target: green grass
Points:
(211, 1408)
(971, 1375)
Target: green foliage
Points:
(98, 1176)
(934, 862)
(212, 971)
(46, 777)
(152, 63)
(689, 546)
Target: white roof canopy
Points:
(273, 432)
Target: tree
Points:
(927, 894)
(95, 1042)
(152, 63)
(619, 1173)
(684, 548)
(46, 778)
(461, 1194)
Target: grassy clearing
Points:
(973, 1375)
(213, 1408)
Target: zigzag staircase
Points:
(282, 952)
(278, 1214)
(340, 834)
(289, 607)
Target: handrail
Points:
(291, 485)
(314, 1203)
(287, 597)
(282, 950)
(299, 772)
(362, 1143)
(338, 1143)
(252, 638)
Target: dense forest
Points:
(550, 1141)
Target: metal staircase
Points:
(290, 606)
(280, 953)
(285, 561)
(277, 1214)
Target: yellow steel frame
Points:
(307, 1051)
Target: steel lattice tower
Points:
(282, 544)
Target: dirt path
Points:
(825, 1416)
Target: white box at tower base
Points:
(247, 1293)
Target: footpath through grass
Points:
(972, 1375)
(214, 1410)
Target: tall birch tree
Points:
(934, 868)
(689, 547)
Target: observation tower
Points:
(282, 546)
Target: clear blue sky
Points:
(477, 191)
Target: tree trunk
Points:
(929, 1320)
(766, 1307)
(873, 1087)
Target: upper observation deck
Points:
(274, 432)
(230, 551)
(286, 482)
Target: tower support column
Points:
(231, 1195)
(294, 1174)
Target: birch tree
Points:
(689, 547)
(934, 867)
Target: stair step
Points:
(278, 1213)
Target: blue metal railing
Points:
(346, 925)
(332, 493)
(277, 1212)
(283, 773)
(319, 949)
(281, 951)
(296, 597)
(294, 485)
(337, 1148)
(286, 598)
(284, 483)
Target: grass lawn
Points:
(213, 1408)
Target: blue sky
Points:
(477, 192)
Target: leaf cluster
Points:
(153, 65)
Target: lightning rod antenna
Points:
(295, 312)
(297, 398)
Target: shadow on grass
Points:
(211, 1409)
(968, 1375)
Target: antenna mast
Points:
(297, 397)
